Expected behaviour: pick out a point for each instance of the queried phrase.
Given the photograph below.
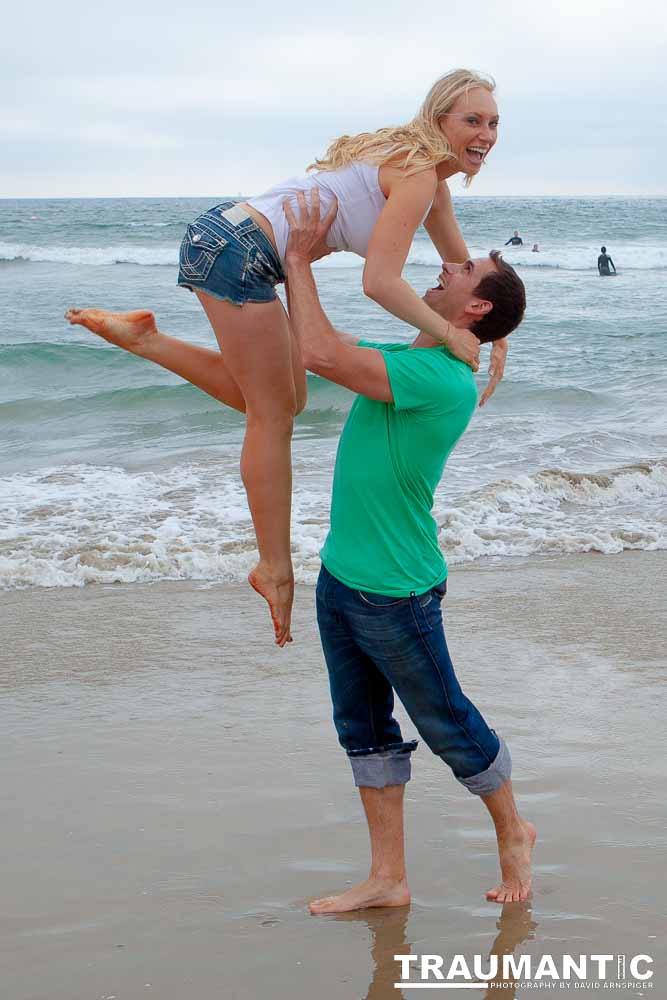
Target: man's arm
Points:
(361, 369)
(612, 264)
(442, 227)
(345, 338)
(323, 349)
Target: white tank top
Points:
(360, 201)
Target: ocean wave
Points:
(76, 525)
(46, 361)
(556, 511)
(571, 257)
(54, 353)
(144, 256)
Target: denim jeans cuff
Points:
(378, 767)
(496, 774)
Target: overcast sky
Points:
(213, 98)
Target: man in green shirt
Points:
(383, 575)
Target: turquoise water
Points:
(112, 469)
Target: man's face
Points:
(454, 290)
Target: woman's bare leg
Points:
(262, 359)
(256, 342)
(204, 368)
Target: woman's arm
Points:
(407, 203)
(442, 227)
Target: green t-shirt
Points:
(391, 456)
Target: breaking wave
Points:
(83, 524)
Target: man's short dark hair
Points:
(505, 290)
(603, 249)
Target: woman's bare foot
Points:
(278, 591)
(515, 850)
(128, 330)
(372, 892)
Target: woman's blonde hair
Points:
(419, 144)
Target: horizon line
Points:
(180, 197)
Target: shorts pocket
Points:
(200, 249)
(259, 268)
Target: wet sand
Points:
(173, 792)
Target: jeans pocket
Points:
(380, 600)
(200, 249)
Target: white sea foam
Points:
(574, 257)
(67, 527)
(556, 512)
(568, 257)
(146, 256)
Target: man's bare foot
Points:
(372, 892)
(128, 330)
(278, 592)
(515, 850)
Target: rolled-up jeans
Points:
(375, 645)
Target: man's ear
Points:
(477, 308)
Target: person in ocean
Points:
(604, 260)
(515, 240)
(536, 248)
(385, 183)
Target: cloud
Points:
(211, 99)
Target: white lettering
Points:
(547, 967)
(602, 961)
(520, 970)
(570, 966)
(432, 963)
(478, 968)
(459, 967)
(405, 964)
(634, 967)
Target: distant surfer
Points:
(604, 260)
(515, 240)
(536, 248)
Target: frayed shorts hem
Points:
(496, 774)
(226, 298)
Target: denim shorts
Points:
(375, 646)
(225, 254)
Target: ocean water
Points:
(114, 470)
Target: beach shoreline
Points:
(176, 794)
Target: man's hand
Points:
(496, 368)
(307, 234)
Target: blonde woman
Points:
(382, 185)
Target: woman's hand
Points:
(307, 234)
(464, 345)
(496, 368)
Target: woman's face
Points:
(471, 128)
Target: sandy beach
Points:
(174, 794)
